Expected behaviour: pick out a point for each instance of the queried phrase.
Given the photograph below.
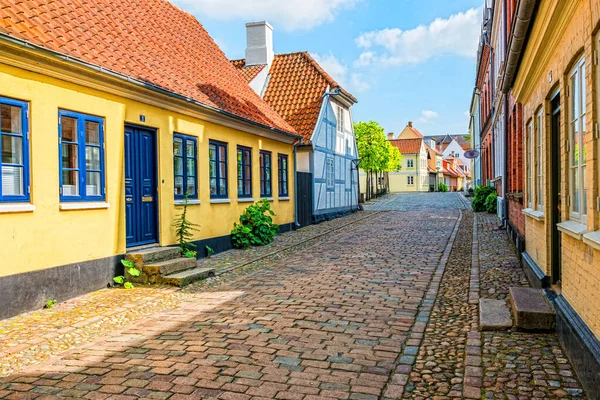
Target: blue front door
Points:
(140, 186)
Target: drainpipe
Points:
(296, 223)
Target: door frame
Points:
(157, 182)
(555, 188)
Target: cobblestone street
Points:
(378, 305)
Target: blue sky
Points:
(405, 60)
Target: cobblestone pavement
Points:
(516, 365)
(32, 337)
(383, 308)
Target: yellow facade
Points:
(412, 166)
(565, 33)
(51, 236)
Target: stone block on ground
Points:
(494, 315)
(531, 309)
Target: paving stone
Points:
(494, 315)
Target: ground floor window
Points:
(217, 155)
(244, 166)
(282, 169)
(577, 142)
(410, 180)
(330, 173)
(265, 174)
(184, 166)
(81, 149)
(14, 147)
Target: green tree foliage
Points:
(394, 158)
(443, 187)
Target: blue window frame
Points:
(217, 155)
(185, 155)
(244, 169)
(14, 148)
(81, 157)
(265, 174)
(282, 176)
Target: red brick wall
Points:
(516, 169)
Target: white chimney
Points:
(259, 43)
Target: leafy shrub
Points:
(256, 227)
(131, 270)
(50, 303)
(443, 187)
(491, 203)
(481, 194)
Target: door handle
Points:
(129, 199)
(147, 199)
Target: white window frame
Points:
(577, 120)
(539, 159)
(341, 120)
(330, 173)
(530, 164)
(410, 180)
(410, 163)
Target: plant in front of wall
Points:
(209, 251)
(481, 194)
(491, 203)
(50, 303)
(442, 187)
(256, 227)
(184, 229)
(131, 270)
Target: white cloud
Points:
(458, 34)
(352, 82)
(289, 14)
(428, 116)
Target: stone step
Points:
(184, 278)
(494, 315)
(153, 255)
(531, 310)
(170, 266)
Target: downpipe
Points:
(296, 223)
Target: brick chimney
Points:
(410, 124)
(259, 43)
(390, 135)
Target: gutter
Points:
(141, 83)
(296, 223)
(518, 36)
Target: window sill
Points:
(16, 208)
(572, 228)
(284, 198)
(220, 201)
(592, 239)
(531, 213)
(267, 198)
(190, 202)
(245, 200)
(83, 206)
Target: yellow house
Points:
(102, 134)
(558, 84)
(414, 175)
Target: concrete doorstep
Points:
(494, 315)
(531, 309)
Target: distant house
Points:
(414, 175)
(454, 146)
(318, 108)
(108, 129)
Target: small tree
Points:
(184, 230)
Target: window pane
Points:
(177, 146)
(222, 187)
(92, 158)
(191, 186)
(212, 169)
(213, 186)
(179, 185)
(69, 129)
(584, 191)
(247, 187)
(575, 183)
(222, 153)
(240, 187)
(10, 117)
(12, 181)
(92, 132)
(575, 143)
(190, 148)
(70, 183)
(178, 165)
(240, 170)
(248, 172)
(191, 167)
(222, 170)
(92, 184)
(69, 155)
(239, 156)
(212, 152)
(12, 149)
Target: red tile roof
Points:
(407, 146)
(248, 73)
(152, 41)
(295, 89)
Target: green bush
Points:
(442, 187)
(256, 227)
(481, 194)
(491, 203)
